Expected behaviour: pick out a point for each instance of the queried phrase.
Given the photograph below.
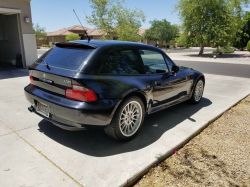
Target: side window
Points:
(170, 64)
(153, 62)
(122, 62)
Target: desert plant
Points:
(248, 46)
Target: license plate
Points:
(43, 109)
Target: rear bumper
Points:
(70, 113)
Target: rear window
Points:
(65, 58)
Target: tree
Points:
(115, 20)
(243, 35)
(39, 31)
(248, 46)
(128, 24)
(72, 37)
(162, 31)
(181, 41)
(209, 21)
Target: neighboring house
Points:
(60, 35)
(145, 41)
(16, 33)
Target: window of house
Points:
(122, 62)
(153, 62)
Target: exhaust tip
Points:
(31, 109)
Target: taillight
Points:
(80, 93)
(31, 80)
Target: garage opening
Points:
(10, 43)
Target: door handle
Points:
(158, 83)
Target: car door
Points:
(167, 86)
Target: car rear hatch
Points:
(54, 70)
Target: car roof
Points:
(97, 43)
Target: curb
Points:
(138, 176)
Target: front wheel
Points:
(127, 120)
(197, 92)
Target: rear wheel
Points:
(127, 120)
(198, 92)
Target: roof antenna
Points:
(82, 26)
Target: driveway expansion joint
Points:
(6, 133)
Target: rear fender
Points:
(133, 92)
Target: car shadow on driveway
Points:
(13, 72)
(97, 143)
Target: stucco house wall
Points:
(56, 39)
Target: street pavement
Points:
(228, 69)
(36, 153)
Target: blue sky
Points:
(58, 14)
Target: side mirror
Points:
(175, 69)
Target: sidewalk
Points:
(239, 57)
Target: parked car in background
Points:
(108, 84)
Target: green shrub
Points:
(225, 49)
(248, 46)
(45, 45)
(72, 37)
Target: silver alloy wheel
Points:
(198, 90)
(130, 118)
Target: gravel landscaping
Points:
(218, 156)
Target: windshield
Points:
(65, 58)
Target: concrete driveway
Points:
(33, 152)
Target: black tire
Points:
(193, 99)
(114, 129)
